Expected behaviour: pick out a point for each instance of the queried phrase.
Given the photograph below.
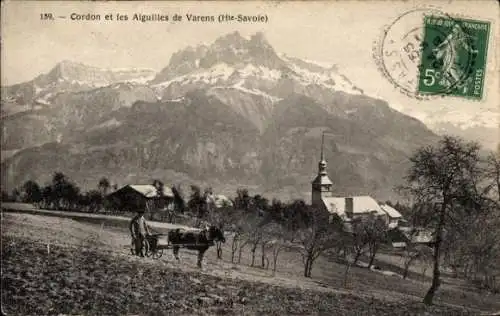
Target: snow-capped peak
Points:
(232, 58)
(84, 74)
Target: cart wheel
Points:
(150, 252)
(151, 249)
(145, 247)
(158, 253)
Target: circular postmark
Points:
(425, 53)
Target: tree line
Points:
(61, 194)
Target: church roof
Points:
(322, 179)
(334, 205)
(360, 205)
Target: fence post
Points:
(100, 231)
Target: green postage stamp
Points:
(453, 59)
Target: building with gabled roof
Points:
(347, 207)
(149, 190)
(133, 197)
(393, 216)
(402, 236)
(350, 207)
(219, 201)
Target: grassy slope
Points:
(107, 281)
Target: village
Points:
(159, 201)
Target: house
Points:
(220, 200)
(419, 235)
(401, 236)
(133, 197)
(393, 216)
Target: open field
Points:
(89, 271)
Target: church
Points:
(347, 207)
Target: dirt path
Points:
(30, 209)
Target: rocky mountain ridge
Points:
(227, 114)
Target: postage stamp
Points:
(426, 53)
(453, 56)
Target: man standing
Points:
(139, 230)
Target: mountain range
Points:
(229, 114)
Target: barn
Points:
(134, 197)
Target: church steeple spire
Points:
(321, 185)
(322, 145)
(322, 163)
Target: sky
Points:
(336, 32)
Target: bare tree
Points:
(277, 237)
(492, 172)
(268, 235)
(414, 252)
(317, 234)
(250, 235)
(222, 218)
(474, 250)
(359, 238)
(238, 229)
(443, 176)
(254, 239)
(376, 232)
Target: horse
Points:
(200, 241)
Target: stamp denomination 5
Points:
(454, 60)
(425, 52)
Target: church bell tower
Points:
(321, 185)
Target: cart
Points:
(156, 244)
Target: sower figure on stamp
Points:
(139, 231)
(448, 52)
